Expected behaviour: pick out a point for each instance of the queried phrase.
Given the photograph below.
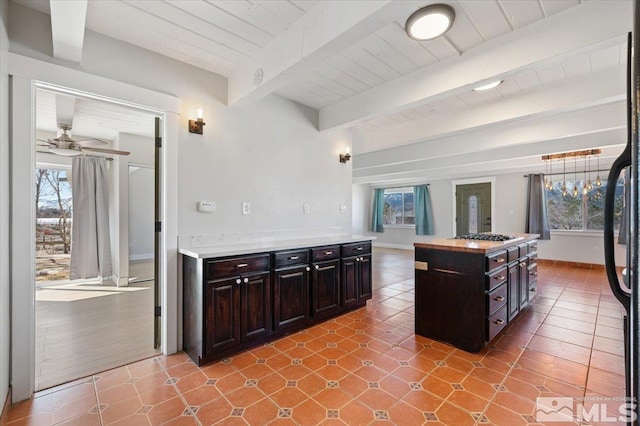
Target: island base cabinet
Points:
(290, 298)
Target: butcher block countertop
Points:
(476, 246)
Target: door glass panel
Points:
(473, 214)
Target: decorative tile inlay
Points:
(187, 412)
(332, 345)
(367, 362)
(144, 409)
(359, 331)
(211, 382)
(415, 386)
(332, 384)
(332, 332)
(284, 413)
(268, 344)
(477, 364)
(430, 417)
(388, 332)
(532, 419)
(381, 414)
(96, 408)
(480, 418)
(292, 383)
(300, 344)
(261, 361)
(251, 382)
(133, 380)
(332, 414)
(364, 345)
(226, 360)
(428, 346)
(395, 346)
(457, 386)
(374, 385)
(542, 388)
(404, 363)
(332, 362)
(171, 381)
(296, 361)
(441, 363)
(500, 388)
(237, 412)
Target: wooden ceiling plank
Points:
(464, 34)
(366, 60)
(67, 28)
(335, 74)
(527, 80)
(381, 50)
(606, 58)
(486, 17)
(355, 70)
(254, 14)
(522, 13)
(327, 29)
(395, 35)
(576, 65)
(550, 74)
(551, 7)
(547, 41)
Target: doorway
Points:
(473, 207)
(88, 324)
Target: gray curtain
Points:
(537, 219)
(377, 213)
(90, 241)
(422, 210)
(624, 220)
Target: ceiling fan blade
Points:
(90, 142)
(106, 151)
(49, 141)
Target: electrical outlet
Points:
(206, 206)
(305, 208)
(246, 208)
(343, 208)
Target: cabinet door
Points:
(513, 280)
(350, 283)
(222, 315)
(524, 284)
(326, 288)
(365, 278)
(290, 297)
(256, 302)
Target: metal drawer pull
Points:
(532, 289)
(359, 248)
(498, 298)
(499, 277)
(317, 267)
(328, 252)
(523, 264)
(294, 258)
(238, 281)
(246, 280)
(499, 260)
(308, 269)
(533, 273)
(498, 321)
(242, 265)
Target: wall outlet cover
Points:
(305, 208)
(206, 206)
(246, 208)
(343, 208)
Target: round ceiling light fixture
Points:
(430, 22)
(488, 86)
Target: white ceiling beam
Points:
(67, 28)
(562, 35)
(327, 29)
(605, 86)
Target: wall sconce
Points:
(345, 157)
(195, 126)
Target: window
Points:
(584, 212)
(398, 207)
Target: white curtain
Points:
(90, 241)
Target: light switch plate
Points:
(305, 208)
(343, 208)
(246, 208)
(206, 206)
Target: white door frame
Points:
(25, 75)
(454, 185)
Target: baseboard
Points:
(143, 256)
(4, 414)
(569, 264)
(393, 246)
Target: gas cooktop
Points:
(484, 237)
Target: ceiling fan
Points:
(66, 146)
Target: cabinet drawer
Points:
(497, 259)
(236, 266)
(496, 322)
(356, 249)
(283, 259)
(497, 299)
(533, 257)
(319, 254)
(512, 254)
(496, 277)
(533, 246)
(524, 249)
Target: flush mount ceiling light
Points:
(488, 86)
(430, 22)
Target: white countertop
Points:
(266, 246)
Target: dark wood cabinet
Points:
(513, 283)
(233, 303)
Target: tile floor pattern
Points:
(367, 367)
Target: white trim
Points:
(393, 246)
(455, 183)
(143, 256)
(399, 226)
(26, 73)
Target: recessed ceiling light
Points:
(488, 86)
(430, 22)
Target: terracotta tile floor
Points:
(367, 367)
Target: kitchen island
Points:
(467, 291)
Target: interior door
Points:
(157, 234)
(473, 208)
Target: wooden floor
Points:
(82, 329)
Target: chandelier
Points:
(587, 185)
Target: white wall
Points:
(5, 317)
(141, 210)
(511, 194)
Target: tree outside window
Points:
(398, 207)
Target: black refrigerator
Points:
(625, 286)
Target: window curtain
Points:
(90, 241)
(377, 214)
(422, 210)
(624, 220)
(537, 219)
